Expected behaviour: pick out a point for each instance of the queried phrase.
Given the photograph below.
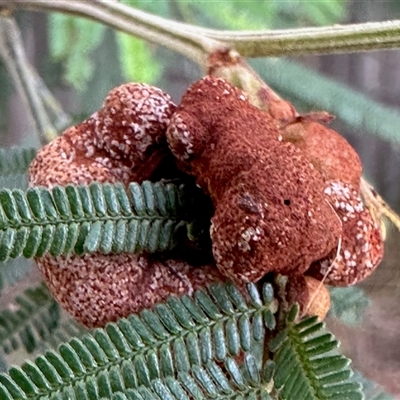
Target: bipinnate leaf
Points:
(192, 347)
(107, 218)
(32, 320)
(15, 160)
(156, 353)
(308, 365)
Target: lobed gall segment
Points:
(361, 248)
(124, 141)
(335, 159)
(329, 152)
(132, 121)
(98, 288)
(271, 213)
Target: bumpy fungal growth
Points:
(271, 212)
(98, 288)
(329, 152)
(286, 196)
(121, 142)
(124, 141)
(361, 249)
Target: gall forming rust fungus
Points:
(113, 145)
(284, 196)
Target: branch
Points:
(154, 29)
(13, 54)
(323, 40)
(196, 42)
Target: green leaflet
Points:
(72, 40)
(36, 317)
(174, 350)
(259, 15)
(15, 160)
(99, 217)
(137, 60)
(211, 381)
(12, 271)
(349, 304)
(308, 365)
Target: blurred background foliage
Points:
(80, 61)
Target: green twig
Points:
(154, 29)
(321, 40)
(196, 42)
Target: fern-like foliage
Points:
(66, 329)
(227, 380)
(15, 160)
(99, 217)
(349, 304)
(372, 390)
(12, 271)
(34, 318)
(307, 365)
(175, 340)
(189, 348)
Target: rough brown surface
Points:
(99, 288)
(271, 213)
(329, 152)
(311, 294)
(286, 195)
(124, 140)
(361, 248)
(115, 144)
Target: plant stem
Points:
(196, 42)
(13, 54)
(322, 40)
(154, 29)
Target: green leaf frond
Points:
(372, 390)
(349, 304)
(66, 329)
(227, 380)
(188, 347)
(33, 318)
(99, 217)
(315, 91)
(73, 40)
(308, 365)
(15, 160)
(12, 271)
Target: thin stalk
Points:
(322, 40)
(13, 54)
(59, 116)
(124, 18)
(196, 42)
